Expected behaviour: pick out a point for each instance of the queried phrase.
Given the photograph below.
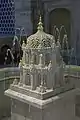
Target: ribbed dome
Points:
(40, 38)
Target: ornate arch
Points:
(58, 17)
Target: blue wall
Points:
(7, 17)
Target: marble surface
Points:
(37, 102)
(60, 107)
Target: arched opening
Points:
(3, 53)
(58, 17)
(4, 48)
(47, 59)
(39, 79)
(28, 82)
(35, 59)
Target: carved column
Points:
(21, 74)
(27, 78)
(42, 86)
(33, 77)
(37, 58)
(24, 56)
(24, 77)
(41, 60)
(50, 76)
(44, 58)
(32, 81)
(23, 48)
(32, 57)
(27, 57)
(54, 58)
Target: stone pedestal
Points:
(60, 107)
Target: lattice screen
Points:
(7, 17)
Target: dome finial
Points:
(40, 24)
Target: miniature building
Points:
(41, 68)
(41, 78)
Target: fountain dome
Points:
(40, 38)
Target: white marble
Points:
(48, 94)
(59, 107)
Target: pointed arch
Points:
(58, 17)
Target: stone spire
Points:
(40, 24)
